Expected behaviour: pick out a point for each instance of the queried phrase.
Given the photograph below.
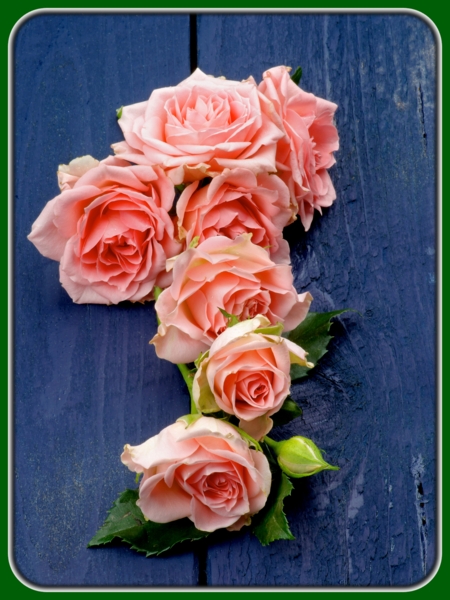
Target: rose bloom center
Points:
(200, 111)
(253, 388)
(218, 488)
(252, 308)
(109, 248)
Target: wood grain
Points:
(87, 381)
(371, 403)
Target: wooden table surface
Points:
(86, 380)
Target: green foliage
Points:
(271, 524)
(313, 336)
(119, 112)
(126, 522)
(297, 75)
(287, 413)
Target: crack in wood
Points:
(193, 42)
(417, 470)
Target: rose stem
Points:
(270, 442)
(188, 375)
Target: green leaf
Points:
(297, 75)
(271, 524)
(180, 187)
(119, 112)
(287, 413)
(312, 335)
(127, 523)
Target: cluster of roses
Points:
(190, 211)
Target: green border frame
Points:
(10, 16)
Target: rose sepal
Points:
(247, 437)
(276, 329)
(189, 419)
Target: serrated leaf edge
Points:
(333, 313)
(108, 514)
(289, 535)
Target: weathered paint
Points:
(86, 380)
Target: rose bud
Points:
(202, 469)
(299, 457)
(246, 374)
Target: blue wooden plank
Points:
(371, 403)
(86, 380)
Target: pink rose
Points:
(306, 152)
(246, 373)
(204, 471)
(110, 230)
(200, 127)
(235, 202)
(236, 276)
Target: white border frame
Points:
(198, 589)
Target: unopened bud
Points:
(300, 457)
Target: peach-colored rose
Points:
(204, 471)
(234, 275)
(306, 152)
(200, 127)
(235, 202)
(110, 230)
(246, 373)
